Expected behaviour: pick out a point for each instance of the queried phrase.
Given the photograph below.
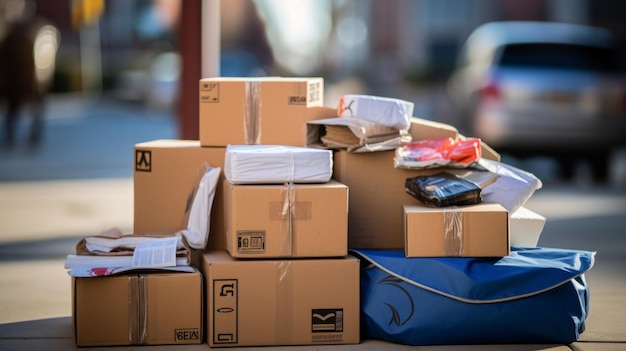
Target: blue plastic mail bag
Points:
(532, 296)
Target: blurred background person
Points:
(28, 45)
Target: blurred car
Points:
(542, 88)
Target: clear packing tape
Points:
(453, 231)
(252, 113)
(287, 211)
(287, 216)
(284, 301)
(138, 307)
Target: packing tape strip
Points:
(283, 302)
(287, 218)
(142, 309)
(453, 231)
(136, 323)
(252, 113)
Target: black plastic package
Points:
(443, 189)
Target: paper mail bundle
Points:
(364, 123)
(112, 251)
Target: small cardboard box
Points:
(138, 309)
(480, 230)
(281, 302)
(267, 110)
(166, 172)
(297, 220)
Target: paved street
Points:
(80, 183)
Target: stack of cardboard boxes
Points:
(263, 284)
(258, 282)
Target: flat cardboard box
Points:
(166, 172)
(266, 110)
(480, 230)
(138, 309)
(426, 129)
(297, 220)
(526, 227)
(281, 302)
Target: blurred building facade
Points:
(391, 38)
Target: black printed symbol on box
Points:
(143, 161)
(325, 320)
(225, 315)
(186, 334)
(297, 100)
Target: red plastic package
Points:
(431, 153)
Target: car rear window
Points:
(560, 56)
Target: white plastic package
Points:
(512, 188)
(525, 227)
(198, 225)
(277, 164)
(390, 112)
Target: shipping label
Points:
(210, 92)
(251, 241)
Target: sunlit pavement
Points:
(80, 183)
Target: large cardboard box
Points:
(166, 172)
(377, 194)
(281, 302)
(297, 220)
(480, 230)
(376, 197)
(266, 110)
(138, 309)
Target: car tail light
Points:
(491, 91)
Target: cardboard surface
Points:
(301, 220)
(267, 110)
(480, 230)
(281, 302)
(138, 309)
(425, 129)
(166, 172)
